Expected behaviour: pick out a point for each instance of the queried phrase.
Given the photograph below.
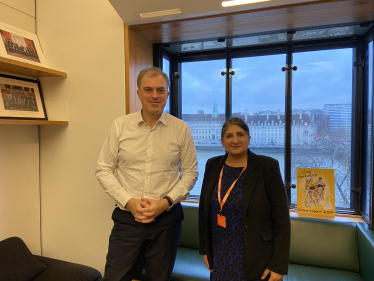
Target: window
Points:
(322, 108)
(302, 117)
(166, 69)
(367, 182)
(203, 108)
(258, 80)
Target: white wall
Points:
(85, 39)
(19, 155)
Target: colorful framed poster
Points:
(20, 45)
(316, 191)
(21, 99)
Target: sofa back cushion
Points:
(17, 263)
(190, 234)
(324, 243)
(366, 250)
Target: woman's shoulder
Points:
(264, 159)
(213, 161)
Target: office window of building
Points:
(203, 109)
(322, 108)
(257, 81)
(166, 69)
(302, 117)
(368, 133)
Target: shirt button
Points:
(145, 194)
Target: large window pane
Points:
(367, 171)
(203, 109)
(258, 97)
(166, 69)
(322, 116)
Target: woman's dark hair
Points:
(234, 121)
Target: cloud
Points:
(322, 77)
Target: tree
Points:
(330, 150)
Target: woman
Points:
(244, 223)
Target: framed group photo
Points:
(21, 99)
(20, 45)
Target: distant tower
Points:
(215, 109)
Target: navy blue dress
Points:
(228, 243)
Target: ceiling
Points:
(203, 20)
(130, 11)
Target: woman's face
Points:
(235, 141)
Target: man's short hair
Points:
(152, 72)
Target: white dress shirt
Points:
(137, 161)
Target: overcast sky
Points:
(322, 77)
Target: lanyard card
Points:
(221, 220)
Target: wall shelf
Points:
(26, 69)
(32, 122)
(34, 71)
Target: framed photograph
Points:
(21, 99)
(18, 44)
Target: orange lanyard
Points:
(228, 191)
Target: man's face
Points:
(153, 94)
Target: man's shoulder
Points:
(174, 121)
(127, 118)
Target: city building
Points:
(340, 116)
(266, 129)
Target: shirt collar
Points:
(141, 120)
(163, 118)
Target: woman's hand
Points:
(205, 259)
(273, 275)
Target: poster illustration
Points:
(316, 191)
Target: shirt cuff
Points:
(122, 200)
(177, 195)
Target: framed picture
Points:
(18, 44)
(21, 99)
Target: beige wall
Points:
(19, 184)
(19, 13)
(86, 40)
(19, 155)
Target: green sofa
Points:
(320, 250)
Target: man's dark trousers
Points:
(157, 241)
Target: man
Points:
(147, 165)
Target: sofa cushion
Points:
(298, 272)
(324, 243)
(190, 234)
(58, 270)
(189, 266)
(17, 263)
